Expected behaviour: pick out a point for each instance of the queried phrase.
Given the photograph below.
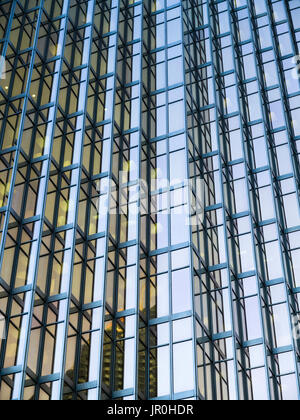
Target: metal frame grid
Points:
(102, 301)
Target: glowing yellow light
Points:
(157, 228)
(64, 206)
(154, 173)
(126, 166)
(53, 50)
(40, 143)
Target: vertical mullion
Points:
(40, 211)
(139, 209)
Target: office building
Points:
(149, 199)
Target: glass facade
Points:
(121, 276)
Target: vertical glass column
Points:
(71, 211)
(171, 362)
(120, 292)
(275, 134)
(20, 58)
(238, 381)
(39, 148)
(102, 170)
(253, 298)
(216, 355)
(84, 347)
(121, 323)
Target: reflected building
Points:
(108, 287)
